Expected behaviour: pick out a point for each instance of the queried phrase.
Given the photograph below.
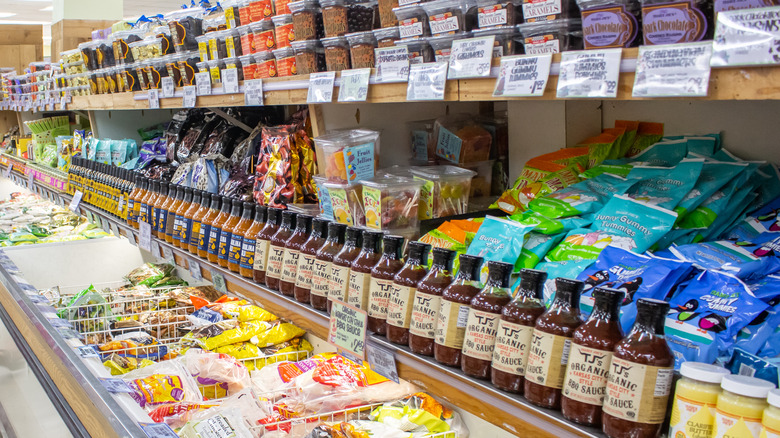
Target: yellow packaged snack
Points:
(254, 357)
(242, 311)
(226, 332)
(119, 365)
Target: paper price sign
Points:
(321, 87)
(673, 70)
(392, 64)
(195, 270)
(382, 361)
(168, 256)
(154, 99)
(203, 82)
(471, 57)
(427, 81)
(74, 203)
(158, 430)
(86, 351)
(253, 92)
(354, 85)
(230, 80)
(521, 76)
(591, 73)
(747, 37)
(167, 86)
(219, 281)
(145, 236)
(63, 103)
(348, 329)
(30, 180)
(190, 96)
(115, 385)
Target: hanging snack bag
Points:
(585, 197)
(663, 154)
(663, 186)
(705, 214)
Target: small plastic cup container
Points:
(482, 183)
(232, 9)
(492, 13)
(264, 36)
(445, 190)
(283, 29)
(442, 45)
(535, 11)
(244, 12)
(386, 16)
(282, 7)
(285, 62)
(140, 71)
(89, 55)
(265, 65)
(188, 67)
(309, 56)
(623, 18)
(346, 203)
(334, 18)
(391, 202)
(361, 15)
(551, 37)
(361, 49)
(336, 53)
(412, 21)
(386, 37)
(349, 155)
(248, 66)
(451, 16)
(203, 47)
(164, 32)
(246, 36)
(306, 18)
(323, 197)
(419, 50)
(505, 39)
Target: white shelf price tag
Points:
(167, 87)
(230, 80)
(154, 98)
(253, 92)
(427, 81)
(195, 270)
(219, 281)
(673, 70)
(321, 87)
(158, 430)
(74, 203)
(392, 64)
(114, 385)
(167, 254)
(354, 85)
(747, 37)
(524, 75)
(8, 170)
(203, 82)
(471, 57)
(145, 236)
(86, 351)
(382, 361)
(348, 326)
(589, 74)
(190, 96)
(31, 180)
(115, 229)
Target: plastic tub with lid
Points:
(391, 202)
(348, 156)
(551, 37)
(346, 203)
(445, 190)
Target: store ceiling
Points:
(30, 11)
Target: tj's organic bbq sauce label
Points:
(425, 310)
(637, 392)
(451, 326)
(379, 294)
(547, 359)
(320, 279)
(339, 282)
(275, 259)
(399, 306)
(359, 284)
(512, 344)
(261, 254)
(480, 334)
(305, 271)
(586, 375)
(290, 265)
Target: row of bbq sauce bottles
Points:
(588, 369)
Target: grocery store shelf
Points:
(509, 411)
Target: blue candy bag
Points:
(754, 335)
(748, 260)
(714, 175)
(745, 364)
(766, 288)
(717, 204)
(664, 186)
(585, 197)
(638, 275)
(499, 240)
(706, 316)
(568, 269)
(763, 220)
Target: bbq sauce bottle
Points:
(399, 304)
(305, 271)
(381, 283)
(320, 280)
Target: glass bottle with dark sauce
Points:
(320, 280)
(342, 264)
(292, 252)
(278, 243)
(360, 271)
(381, 282)
(306, 259)
(426, 301)
(263, 243)
(399, 303)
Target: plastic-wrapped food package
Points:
(665, 22)
(448, 16)
(390, 203)
(549, 10)
(209, 174)
(610, 23)
(277, 168)
(164, 382)
(219, 375)
(460, 139)
(551, 37)
(499, 13)
(185, 25)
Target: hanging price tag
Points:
(253, 92)
(195, 270)
(8, 170)
(158, 430)
(63, 103)
(190, 96)
(747, 37)
(523, 76)
(86, 351)
(392, 64)
(168, 256)
(167, 86)
(116, 386)
(154, 98)
(230, 80)
(219, 281)
(74, 203)
(115, 229)
(321, 87)
(348, 329)
(145, 236)
(203, 82)
(591, 73)
(120, 205)
(427, 81)
(673, 70)
(30, 180)
(471, 57)
(354, 85)
(382, 361)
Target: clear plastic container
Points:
(323, 197)
(535, 11)
(386, 16)
(386, 37)
(248, 66)
(551, 37)
(695, 397)
(232, 42)
(740, 405)
(283, 30)
(505, 39)
(264, 36)
(307, 20)
(164, 32)
(119, 42)
(499, 13)
(348, 156)
(282, 7)
(419, 50)
(185, 25)
(346, 203)
(421, 141)
(334, 17)
(285, 62)
(610, 23)
(215, 70)
(451, 16)
(265, 65)
(172, 65)
(71, 56)
(155, 72)
(232, 12)
(309, 56)
(188, 67)
(390, 202)
(412, 21)
(771, 419)
(482, 183)
(140, 71)
(234, 63)
(336, 54)
(459, 138)
(362, 15)
(361, 49)
(203, 46)
(89, 55)
(442, 45)
(246, 37)
(148, 48)
(260, 10)
(445, 190)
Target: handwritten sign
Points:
(382, 361)
(145, 236)
(203, 82)
(195, 270)
(673, 70)
(354, 85)
(167, 87)
(154, 99)
(747, 37)
(521, 76)
(230, 80)
(471, 57)
(74, 203)
(253, 92)
(591, 73)
(348, 326)
(219, 281)
(392, 64)
(427, 81)
(190, 96)
(321, 87)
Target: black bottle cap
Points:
(261, 213)
(607, 302)
(443, 258)
(187, 194)
(303, 224)
(273, 215)
(651, 314)
(499, 273)
(319, 227)
(418, 253)
(288, 219)
(249, 208)
(569, 291)
(393, 246)
(215, 201)
(469, 267)
(533, 281)
(354, 236)
(336, 231)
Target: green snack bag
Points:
(664, 186)
(499, 240)
(647, 134)
(628, 139)
(549, 226)
(612, 167)
(599, 147)
(585, 197)
(535, 247)
(714, 175)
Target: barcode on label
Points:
(463, 316)
(565, 353)
(663, 382)
(746, 370)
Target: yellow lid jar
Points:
(695, 397)
(771, 419)
(740, 407)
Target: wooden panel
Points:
(67, 34)
(16, 34)
(19, 56)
